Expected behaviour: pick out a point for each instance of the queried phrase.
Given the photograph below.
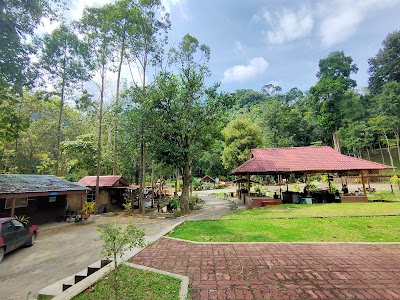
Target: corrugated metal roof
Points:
(104, 181)
(21, 183)
(302, 159)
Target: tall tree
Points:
(18, 20)
(64, 59)
(388, 104)
(122, 18)
(241, 135)
(385, 66)
(145, 50)
(188, 113)
(333, 81)
(96, 32)
(383, 126)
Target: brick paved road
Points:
(280, 270)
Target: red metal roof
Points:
(208, 178)
(302, 159)
(104, 181)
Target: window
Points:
(19, 202)
(91, 196)
(7, 227)
(52, 199)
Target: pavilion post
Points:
(329, 183)
(248, 187)
(369, 185)
(363, 182)
(307, 187)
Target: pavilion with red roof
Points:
(304, 161)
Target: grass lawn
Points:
(382, 195)
(217, 195)
(135, 284)
(295, 223)
(317, 210)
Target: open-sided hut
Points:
(304, 161)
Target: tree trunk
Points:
(187, 178)
(389, 150)
(142, 176)
(336, 142)
(380, 149)
(176, 183)
(369, 155)
(142, 143)
(152, 180)
(116, 282)
(98, 170)
(60, 115)
(398, 143)
(116, 110)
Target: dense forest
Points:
(67, 110)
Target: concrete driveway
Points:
(63, 249)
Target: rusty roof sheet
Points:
(303, 159)
(21, 183)
(104, 181)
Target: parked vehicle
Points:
(14, 234)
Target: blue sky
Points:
(256, 42)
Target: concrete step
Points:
(66, 283)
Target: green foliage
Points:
(312, 187)
(19, 20)
(384, 67)
(296, 187)
(196, 182)
(80, 154)
(127, 207)
(186, 114)
(116, 241)
(176, 203)
(395, 182)
(88, 208)
(333, 81)
(241, 135)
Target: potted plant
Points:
(127, 208)
(87, 209)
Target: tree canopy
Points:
(384, 67)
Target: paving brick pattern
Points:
(280, 270)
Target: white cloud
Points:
(78, 6)
(178, 5)
(256, 66)
(47, 26)
(339, 19)
(240, 48)
(287, 25)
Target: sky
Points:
(257, 42)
